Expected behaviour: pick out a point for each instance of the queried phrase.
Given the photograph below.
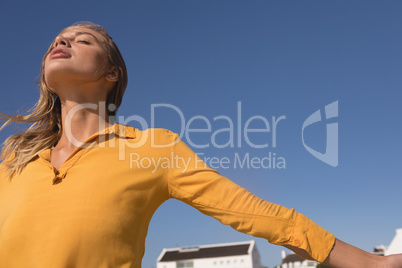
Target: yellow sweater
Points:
(95, 210)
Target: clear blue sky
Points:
(278, 58)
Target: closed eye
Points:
(83, 41)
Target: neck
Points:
(80, 121)
(83, 110)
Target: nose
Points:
(60, 40)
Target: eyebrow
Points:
(86, 33)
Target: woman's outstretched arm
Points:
(344, 255)
(212, 194)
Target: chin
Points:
(53, 79)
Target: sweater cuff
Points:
(311, 237)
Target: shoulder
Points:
(126, 131)
(154, 136)
(159, 135)
(5, 165)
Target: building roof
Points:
(207, 251)
(291, 258)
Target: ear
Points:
(113, 75)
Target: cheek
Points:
(96, 58)
(98, 62)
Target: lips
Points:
(59, 52)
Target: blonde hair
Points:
(45, 131)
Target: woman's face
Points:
(77, 57)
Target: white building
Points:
(229, 255)
(396, 245)
(292, 260)
(394, 248)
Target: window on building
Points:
(185, 264)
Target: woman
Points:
(77, 190)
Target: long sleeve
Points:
(193, 182)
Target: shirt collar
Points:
(122, 131)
